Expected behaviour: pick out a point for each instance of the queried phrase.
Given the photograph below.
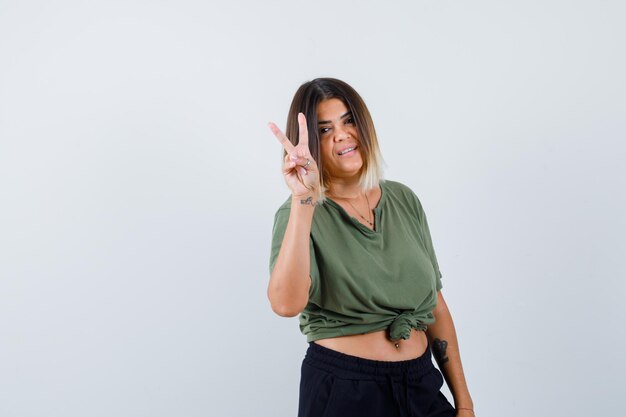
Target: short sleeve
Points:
(425, 230)
(278, 233)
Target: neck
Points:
(344, 189)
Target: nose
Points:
(341, 134)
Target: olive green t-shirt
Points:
(365, 280)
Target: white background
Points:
(138, 184)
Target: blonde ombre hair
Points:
(306, 99)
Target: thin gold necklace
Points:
(357, 212)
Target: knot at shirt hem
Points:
(401, 326)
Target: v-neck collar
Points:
(377, 211)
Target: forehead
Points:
(331, 109)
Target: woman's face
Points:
(339, 140)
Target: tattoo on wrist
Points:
(308, 201)
(439, 351)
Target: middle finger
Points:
(303, 130)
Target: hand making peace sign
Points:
(299, 167)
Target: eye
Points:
(350, 120)
(324, 130)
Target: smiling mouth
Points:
(345, 151)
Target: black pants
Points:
(334, 384)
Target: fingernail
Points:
(294, 158)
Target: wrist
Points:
(306, 199)
(464, 406)
(464, 401)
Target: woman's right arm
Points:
(288, 289)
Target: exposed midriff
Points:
(378, 346)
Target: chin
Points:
(352, 173)
(348, 170)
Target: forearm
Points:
(445, 346)
(288, 289)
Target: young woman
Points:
(353, 256)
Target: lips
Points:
(346, 149)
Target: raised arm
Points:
(288, 289)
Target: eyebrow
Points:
(323, 122)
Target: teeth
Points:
(346, 151)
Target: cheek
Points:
(326, 153)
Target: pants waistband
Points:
(348, 366)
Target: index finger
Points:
(282, 138)
(303, 130)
